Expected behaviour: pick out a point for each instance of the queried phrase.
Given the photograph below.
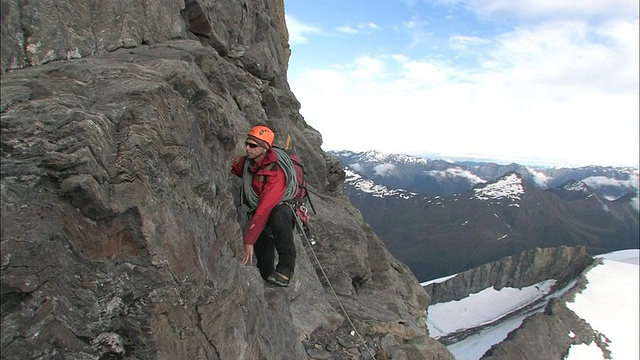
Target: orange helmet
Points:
(263, 133)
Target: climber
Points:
(271, 221)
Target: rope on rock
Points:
(301, 230)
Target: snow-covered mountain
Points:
(490, 220)
(444, 178)
(593, 314)
(470, 219)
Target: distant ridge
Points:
(440, 177)
(447, 231)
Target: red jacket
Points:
(269, 183)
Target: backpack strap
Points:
(307, 196)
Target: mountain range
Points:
(441, 177)
(442, 218)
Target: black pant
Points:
(277, 236)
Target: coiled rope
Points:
(289, 172)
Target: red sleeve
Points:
(237, 166)
(271, 196)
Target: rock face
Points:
(517, 271)
(121, 225)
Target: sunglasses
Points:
(251, 145)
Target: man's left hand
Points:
(248, 255)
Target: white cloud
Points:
(347, 30)
(298, 31)
(358, 29)
(367, 68)
(455, 172)
(526, 9)
(539, 178)
(600, 181)
(464, 43)
(411, 24)
(568, 54)
(425, 72)
(552, 8)
(565, 91)
(371, 25)
(383, 169)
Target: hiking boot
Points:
(278, 279)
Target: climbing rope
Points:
(301, 230)
(289, 172)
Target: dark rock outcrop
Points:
(121, 231)
(517, 271)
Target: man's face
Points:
(253, 149)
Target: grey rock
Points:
(525, 269)
(121, 227)
(319, 354)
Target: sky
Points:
(543, 81)
(610, 304)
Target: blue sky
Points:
(531, 81)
